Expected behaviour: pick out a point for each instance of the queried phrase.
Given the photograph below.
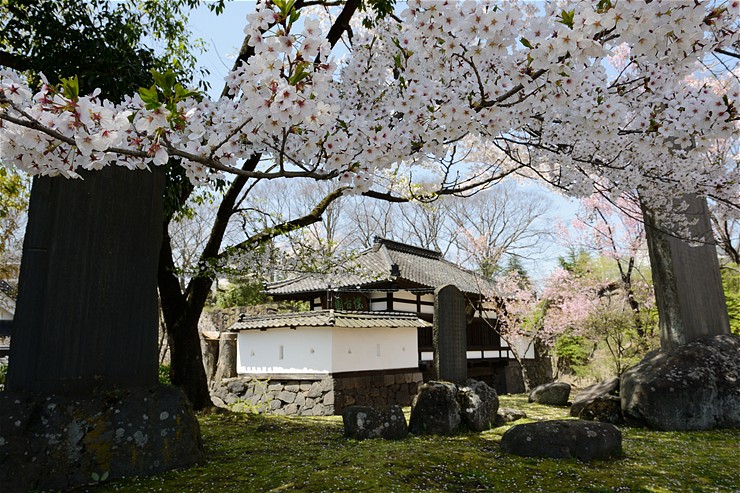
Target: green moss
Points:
(269, 453)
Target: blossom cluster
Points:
(534, 82)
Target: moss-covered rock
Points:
(59, 442)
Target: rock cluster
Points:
(377, 390)
(441, 408)
(281, 397)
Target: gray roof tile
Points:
(416, 265)
(330, 318)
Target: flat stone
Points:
(287, 397)
(564, 439)
(508, 415)
(362, 422)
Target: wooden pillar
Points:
(87, 302)
(688, 287)
(450, 335)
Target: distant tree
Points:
(503, 221)
(14, 192)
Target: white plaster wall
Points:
(374, 349)
(304, 350)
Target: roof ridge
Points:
(406, 248)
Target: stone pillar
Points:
(209, 343)
(82, 400)
(450, 335)
(226, 367)
(87, 315)
(688, 286)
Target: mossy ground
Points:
(270, 454)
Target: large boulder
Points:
(563, 439)
(478, 404)
(59, 442)
(361, 422)
(693, 387)
(435, 410)
(552, 394)
(599, 402)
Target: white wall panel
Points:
(374, 349)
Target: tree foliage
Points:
(13, 203)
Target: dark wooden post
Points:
(87, 302)
(450, 335)
(688, 286)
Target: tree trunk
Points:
(87, 304)
(688, 286)
(181, 320)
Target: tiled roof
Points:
(389, 261)
(330, 318)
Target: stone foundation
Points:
(316, 395)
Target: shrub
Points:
(164, 374)
(573, 353)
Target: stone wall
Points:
(380, 389)
(316, 397)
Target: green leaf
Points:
(526, 43)
(150, 97)
(567, 17)
(70, 87)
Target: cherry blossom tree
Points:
(615, 232)
(534, 82)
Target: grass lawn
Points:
(275, 454)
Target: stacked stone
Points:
(280, 397)
(315, 397)
(377, 390)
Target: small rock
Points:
(587, 395)
(552, 394)
(362, 422)
(507, 415)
